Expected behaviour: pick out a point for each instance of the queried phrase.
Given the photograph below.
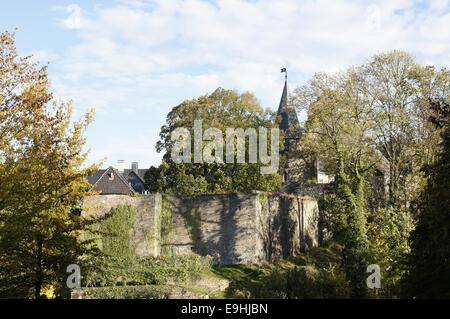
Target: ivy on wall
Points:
(263, 199)
(165, 227)
(120, 265)
(117, 229)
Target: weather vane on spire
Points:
(283, 70)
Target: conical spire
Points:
(283, 101)
(289, 120)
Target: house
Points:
(120, 181)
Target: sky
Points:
(133, 60)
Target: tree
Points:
(336, 131)
(375, 112)
(388, 234)
(399, 90)
(222, 110)
(429, 272)
(42, 180)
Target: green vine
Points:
(263, 199)
(139, 271)
(165, 227)
(117, 229)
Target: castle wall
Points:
(237, 229)
(287, 224)
(221, 225)
(143, 236)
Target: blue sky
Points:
(133, 60)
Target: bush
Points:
(304, 282)
(126, 292)
(318, 273)
(113, 271)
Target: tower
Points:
(289, 124)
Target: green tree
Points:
(399, 89)
(42, 180)
(221, 109)
(336, 131)
(374, 112)
(429, 272)
(388, 234)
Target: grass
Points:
(314, 274)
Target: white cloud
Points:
(147, 56)
(373, 17)
(129, 40)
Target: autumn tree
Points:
(336, 131)
(42, 180)
(371, 123)
(399, 89)
(222, 109)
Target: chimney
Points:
(120, 166)
(134, 167)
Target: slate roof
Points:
(289, 120)
(136, 181)
(94, 178)
(125, 183)
(140, 172)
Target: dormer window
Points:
(111, 176)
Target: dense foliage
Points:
(116, 229)
(369, 126)
(42, 180)
(117, 271)
(317, 273)
(429, 262)
(388, 234)
(221, 109)
(127, 292)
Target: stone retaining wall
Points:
(237, 229)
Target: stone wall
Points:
(221, 225)
(237, 229)
(286, 224)
(144, 234)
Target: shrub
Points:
(126, 292)
(113, 271)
